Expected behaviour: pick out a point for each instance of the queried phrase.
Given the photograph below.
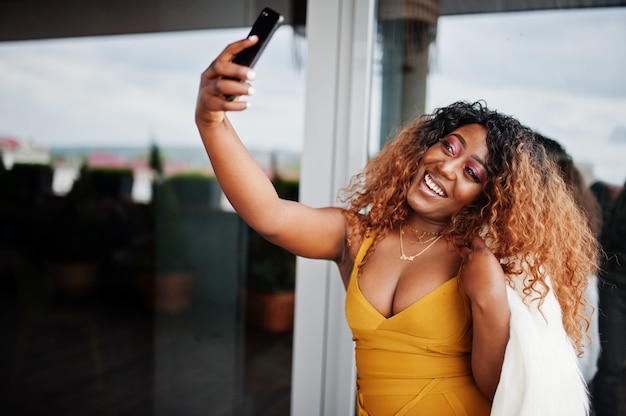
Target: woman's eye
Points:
(473, 174)
(447, 145)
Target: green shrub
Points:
(112, 182)
(171, 248)
(195, 189)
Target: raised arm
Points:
(305, 231)
(483, 281)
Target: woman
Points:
(462, 207)
(607, 383)
(586, 200)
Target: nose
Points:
(449, 168)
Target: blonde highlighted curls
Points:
(527, 214)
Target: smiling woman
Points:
(477, 183)
(128, 90)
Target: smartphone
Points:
(264, 27)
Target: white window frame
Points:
(340, 39)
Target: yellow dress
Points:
(416, 362)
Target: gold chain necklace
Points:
(411, 258)
(421, 234)
(434, 237)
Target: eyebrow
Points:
(464, 144)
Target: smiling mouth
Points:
(433, 186)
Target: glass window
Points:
(557, 71)
(128, 284)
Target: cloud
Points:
(572, 50)
(123, 90)
(618, 135)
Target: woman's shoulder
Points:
(355, 236)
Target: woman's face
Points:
(451, 174)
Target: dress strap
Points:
(365, 245)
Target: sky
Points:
(559, 72)
(129, 90)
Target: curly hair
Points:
(528, 216)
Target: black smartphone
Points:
(264, 27)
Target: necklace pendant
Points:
(403, 256)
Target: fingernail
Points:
(248, 104)
(251, 75)
(251, 91)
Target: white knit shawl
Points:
(540, 374)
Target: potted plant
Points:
(73, 240)
(271, 277)
(169, 286)
(270, 287)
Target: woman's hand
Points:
(484, 282)
(220, 79)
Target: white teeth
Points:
(433, 186)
